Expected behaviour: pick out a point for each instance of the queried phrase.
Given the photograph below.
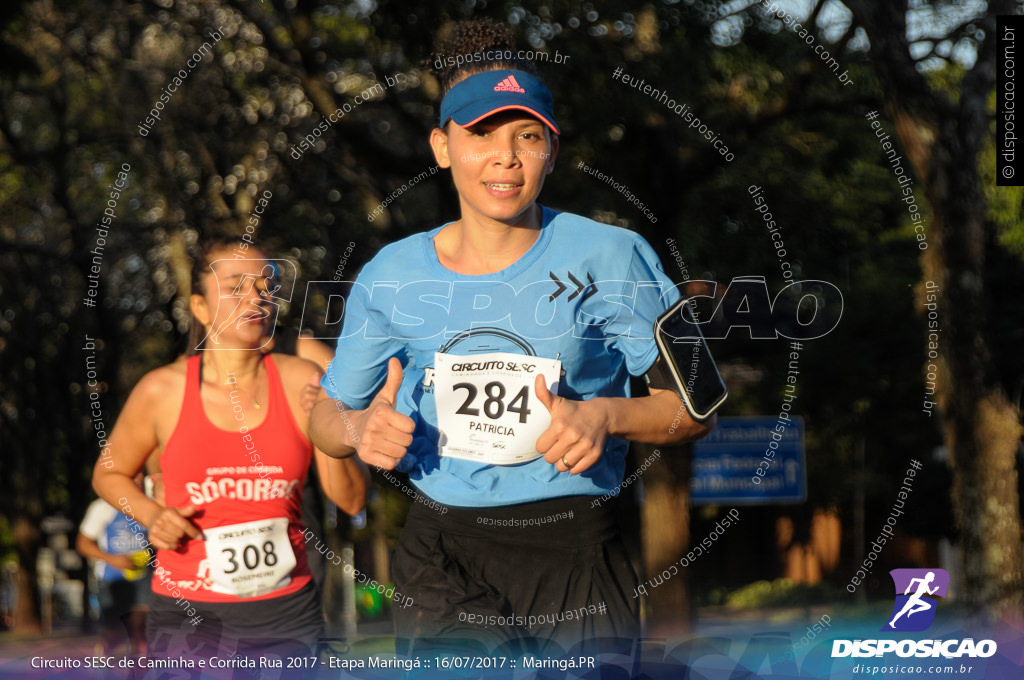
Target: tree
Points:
(944, 136)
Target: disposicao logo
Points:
(916, 611)
(917, 591)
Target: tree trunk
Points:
(665, 517)
(27, 618)
(981, 428)
(943, 140)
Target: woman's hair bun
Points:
(458, 42)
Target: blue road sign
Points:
(726, 463)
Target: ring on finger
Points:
(566, 463)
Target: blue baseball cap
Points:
(490, 92)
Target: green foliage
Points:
(1006, 204)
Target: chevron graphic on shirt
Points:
(509, 84)
(587, 289)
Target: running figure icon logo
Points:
(914, 609)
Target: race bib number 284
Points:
(487, 409)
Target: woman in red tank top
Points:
(230, 426)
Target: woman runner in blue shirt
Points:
(489, 359)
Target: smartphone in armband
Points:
(684, 363)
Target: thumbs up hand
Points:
(575, 439)
(389, 392)
(382, 434)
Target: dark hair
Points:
(471, 37)
(201, 261)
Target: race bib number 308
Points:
(487, 409)
(250, 559)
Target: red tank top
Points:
(246, 485)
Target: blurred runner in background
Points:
(118, 547)
(230, 426)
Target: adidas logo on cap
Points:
(509, 84)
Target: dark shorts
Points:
(521, 578)
(288, 626)
(119, 598)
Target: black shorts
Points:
(287, 626)
(543, 577)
